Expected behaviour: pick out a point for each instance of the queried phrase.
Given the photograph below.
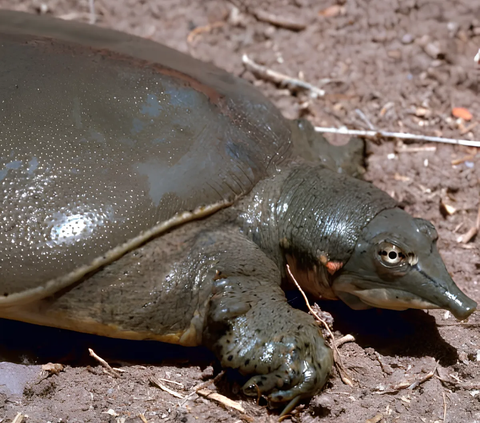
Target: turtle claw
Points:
(298, 378)
(290, 406)
(280, 348)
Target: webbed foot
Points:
(281, 347)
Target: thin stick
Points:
(365, 119)
(280, 21)
(444, 407)
(280, 78)
(107, 366)
(201, 386)
(221, 399)
(344, 340)
(171, 381)
(154, 381)
(429, 375)
(467, 237)
(93, 15)
(194, 33)
(400, 135)
(408, 385)
(18, 418)
(337, 357)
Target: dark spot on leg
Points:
(230, 357)
(247, 362)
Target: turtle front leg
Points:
(251, 327)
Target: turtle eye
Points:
(391, 254)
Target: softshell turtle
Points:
(148, 195)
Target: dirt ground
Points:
(402, 64)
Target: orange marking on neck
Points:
(334, 266)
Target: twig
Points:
(377, 418)
(280, 78)
(444, 407)
(344, 340)
(468, 128)
(459, 384)
(467, 237)
(107, 366)
(221, 399)
(336, 354)
(192, 36)
(201, 386)
(18, 418)
(365, 119)
(405, 149)
(171, 381)
(400, 135)
(408, 385)
(468, 157)
(385, 367)
(93, 15)
(142, 418)
(429, 375)
(280, 21)
(154, 381)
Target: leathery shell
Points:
(107, 139)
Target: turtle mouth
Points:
(392, 299)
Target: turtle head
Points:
(396, 265)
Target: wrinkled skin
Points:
(157, 197)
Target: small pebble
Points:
(407, 39)
(453, 28)
(433, 50)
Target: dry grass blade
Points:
(227, 402)
(192, 36)
(19, 418)
(376, 419)
(428, 376)
(336, 354)
(280, 78)
(408, 385)
(444, 406)
(143, 418)
(457, 383)
(93, 15)
(154, 381)
(344, 340)
(171, 381)
(287, 22)
(400, 135)
(106, 366)
(470, 234)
